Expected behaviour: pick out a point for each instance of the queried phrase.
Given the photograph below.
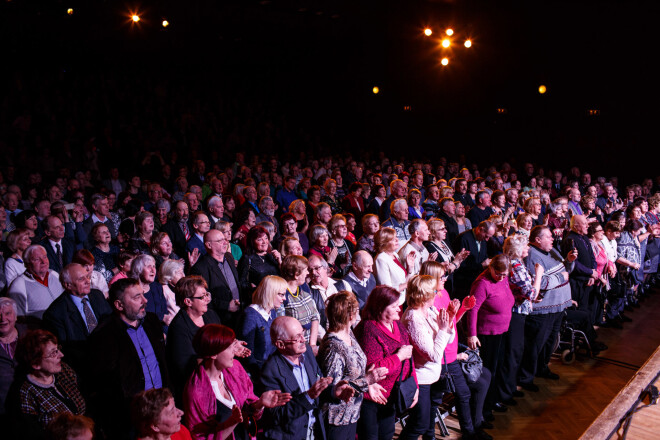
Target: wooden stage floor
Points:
(564, 409)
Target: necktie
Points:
(58, 251)
(186, 231)
(89, 315)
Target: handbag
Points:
(446, 382)
(473, 366)
(403, 391)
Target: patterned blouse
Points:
(343, 362)
(302, 307)
(45, 402)
(521, 285)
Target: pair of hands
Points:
(269, 399)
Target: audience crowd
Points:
(291, 299)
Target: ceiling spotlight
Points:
(446, 42)
(375, 90)
(449, 32)
(135, 18)
(444, 61)
(69, 11)
(166, 23)
(542, 89)
(428, 32)
(468, 43)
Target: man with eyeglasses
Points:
(323, 287)
(200, 226)
(218, 268)
(293, 369)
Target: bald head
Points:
(579, 224)
(362, 265)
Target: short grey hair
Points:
(167, 270)
(322, 261)
(514, 246)
(65, 275)
(214, 201)
(278, 330)
(316, 232)
(360, 256)
(162, 203)
(263, 200)
(8, 302)
(397, 202)
(27, 255)
(138, 265)
(415, 225)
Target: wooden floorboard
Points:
(564, 409)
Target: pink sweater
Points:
(492, 313)
(441, 302)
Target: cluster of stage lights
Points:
(133, 16)
(446, 42)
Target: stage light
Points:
(428, 32)
(166, 23)
(69, 11)
(444, 61)
(542, 89)
(449, 32)
(468, 43)
(375, 90)
(135, 18)
(446, 42)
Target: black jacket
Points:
(207, 268)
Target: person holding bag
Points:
(430, 331)
(386, 343)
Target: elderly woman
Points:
(161, 249)
(330, 197)
(86, 259)
(230, 207)
(254, 326)
(259, 261)
(299, 211)
(341, 358)
(525, 288)
(18, 241)
(319, 238)
(463, 222)
(299, 302)
(438, 244)
(345, 249)
(169, 273)
(489, 320)
(104, 253)
(51, 386)
(225, 228)
(161, 209)
(469, 397)
(9, 336)
(430, 331)
(193, 299)
(415, 209)
(156, 417)
(533, 207)
(141, 242)
(389, 270)
(524, 223)
(289, 224)
(290, 246)
(629, 249)
(143, 269)
(386, 343)
(245, 221)
(219, 395)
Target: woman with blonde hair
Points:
(389, 270)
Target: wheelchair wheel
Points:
(568, 356)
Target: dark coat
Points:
(63, 319)
(156, 302)
(471, 267)
(176, 235)
(289, 422)
(207, 268)
(68, 249)
(586, 261)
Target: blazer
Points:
(156, 302)
(68, 249)
(207, 268)
(471, 266)
(195, 243)
(116, 371)
(586, 261)
(176, 235)
(289, 422)
(63, 319)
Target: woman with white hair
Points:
(169, 273)
(18, 241)
(10, 332)
(143, 269)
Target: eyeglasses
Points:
(207, 295)
(300, 337)
(315, 268)
(54, 353)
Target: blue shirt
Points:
(79, 305)
(300, 374)
(145, 351)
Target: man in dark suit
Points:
(361, 278)
(217, 267)
(200, 226)
(481, 210)
(293, 369)
(60, 250)
(75, 314)
(474, 240)
(446, 213)
(117, 372)
(114, 183)
(584, 275)
(178, 228)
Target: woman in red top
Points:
(386, 343)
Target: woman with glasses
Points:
(489, 320)
(437, 243)
(345, 249)
(219, 395)
(596, 233)
(50, 387)
(254, 326)
(193, 299)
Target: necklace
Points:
(297, 293)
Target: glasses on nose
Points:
(315, 268)
(298, 338)
(206, 296)
(54, 353)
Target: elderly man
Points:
(251, 198)
(543, 322)
(287, 194)
(474, 240)
(267, 213)
(154, 193)
(215, 209)
(200, 226)
(585, 275)
(59, 249)
(430, 204)
(481, 210)
(100, 214)
(37, 287)
(361, 277)
(191, 200)
(461, 194)
(323, 287)
(447, 214)
(76, 313)
(419, 233)
(293, 369)
(574, 198)
(399, 220)
(178, 228)
(511, 196)
(398, 190)
(126, 355)
(218, 268)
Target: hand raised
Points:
(343, 391)
(376, 374)
(317, 388)
(274, 398)
(469, 302)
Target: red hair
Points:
(379, 299)
(212, 339)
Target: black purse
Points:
(403, 391)
(446, 382)
(473, 366)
